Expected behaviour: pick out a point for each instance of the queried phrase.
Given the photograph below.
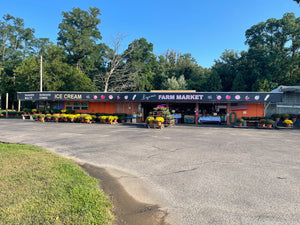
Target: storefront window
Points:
(69, 105)
(47, 106)
(76, 106)
(84, 106)
(55, 105)
(41, 105)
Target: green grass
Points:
(38, 187)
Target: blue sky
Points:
(203, 28)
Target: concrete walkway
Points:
(200, 175)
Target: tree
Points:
(298, 1)
(174, 84)
(115, 75)
(57, 74)
(226, 69)
(79, 33)
(141, 61)
(213, 82)
(16, 43)
(238, 83)
(274, 48)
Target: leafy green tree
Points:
(238, 83)
(57, 74)
(274, 49)
(78, 33)
(226, 68)
(213, 82)
(264, 85)
(175, 84)
(142, 61)
(16, 43)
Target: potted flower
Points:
(36, 117)
(262, 122)
(269, 123)
(81, 117)
(102, 119)
(166, 113)
(34, 111)
(110, 119)
(87, 118)
(150, 120)
(72, 118)
(55, 117)
(159, 120)
(122, 118)
(276, 116)
(65, 117)
(42, 117)
(94, 117)
(288, 123)
(48, 117)
(115, 119)
(285, 116)
(240, 121)
(294, 117)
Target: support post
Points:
(19, 105)
(196, 113)
(6, 106)
(227, 113)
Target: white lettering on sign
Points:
(68, 96)
(164, 97)
(58, 96)
(72, 96)
(189, 97)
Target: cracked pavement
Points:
(200, 175)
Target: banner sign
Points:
(152, 96)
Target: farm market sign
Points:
(180, 97)
(152, 96)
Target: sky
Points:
(203, 28)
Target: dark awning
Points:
(152, 96)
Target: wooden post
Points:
(19, 105)
(6, 105)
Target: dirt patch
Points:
(127, 210)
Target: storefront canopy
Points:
(152, 96)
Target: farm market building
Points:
(187, 106)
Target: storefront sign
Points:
(153, 96)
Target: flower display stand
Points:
(162, 113)
(155, 126)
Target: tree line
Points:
(79, 61)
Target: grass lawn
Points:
(38, 187)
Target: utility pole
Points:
(6, 105)
(41, 75)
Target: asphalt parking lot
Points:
(199, 175)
